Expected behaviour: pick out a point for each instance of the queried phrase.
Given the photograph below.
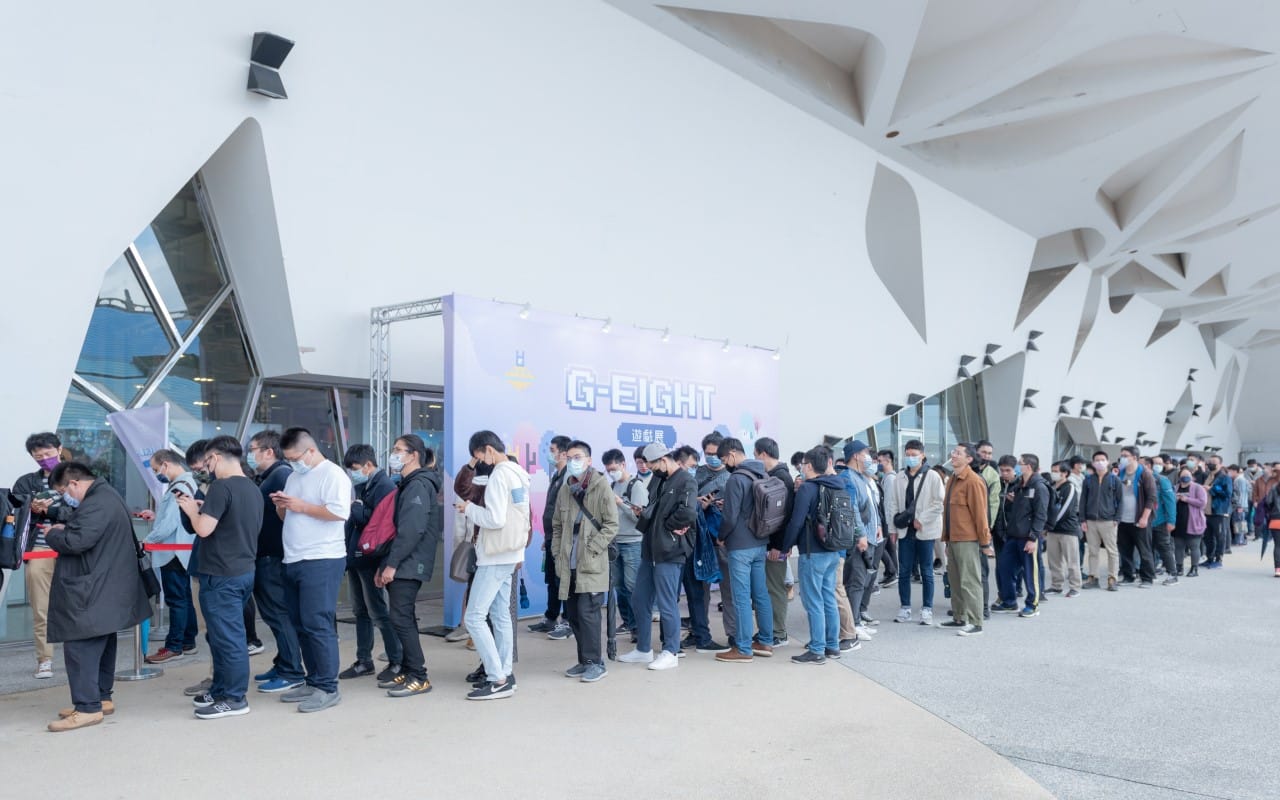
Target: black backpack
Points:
(835, 527)
(768, 506)
(15, 530)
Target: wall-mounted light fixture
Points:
(265, 58)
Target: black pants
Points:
(554, 607)
(250, 622)
(697, 595)
(583, 613)
(1162, 543)
(403, 596)
(1128, 537)
(1187, 544)
(890, 557)
(91, 671)
(1215, 537)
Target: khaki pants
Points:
(964, 570)
(39, 572)
(775, 575)
(1064, 560)
(847, 620)
(1100, 534)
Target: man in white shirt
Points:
(166, 528)
(314, 505)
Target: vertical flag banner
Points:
(529, 375)
(143, 431)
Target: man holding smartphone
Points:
(47, 508)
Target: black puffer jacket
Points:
(419, 524)
(672, 506)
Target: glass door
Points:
(424, 415)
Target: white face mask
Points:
(1100, 466)
(615, 475)
(396, 462)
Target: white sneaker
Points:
(903, 616)
(664, 660)
(637, 657)
(657, 617)
(926, 616)
(864, 634)
(44, 670)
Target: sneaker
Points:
(476, 675)
(1052, 590)
(926, 616)
(687, 643)
(594, 672)
(656, 617)
(953, 623)
(904, 615)
(712, 647)
(162, 655)
(393, 682)
(889, 582)
(783, 642)
(809, 657)
(685, 623)
(388, 673)
(1278, 572)
(200, 688)
(44, 671)
(734, 657)
(203, 700)
(1072, 593)
(575, 671)
(108, 708)
(834, 655)
(543, 625)
(1029, 611)
(1091, 583)
(863, 634)
(298, 694)
(1004, 608)
(493, 691)
(1128, 579)
(1169, 581)
(269, 675)
(190, 649)
(846, 645)
(970, 630)
(1194, 572)
(223, 708)
(410, 688)
(622, 629)
(1207, 563)
(876, 589)
(319, 701)
(761, 650)
(1145, 585)
(1111, 585)
(457, 634)
(637, 657)
(560, 632)
(664, 660)
(78, 719)
(356, 670)
(256, 648)
(868, 621)
(278, 685)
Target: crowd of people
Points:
(273, 529)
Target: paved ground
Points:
(1143, 694)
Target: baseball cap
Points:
(653, 452)
(854, 447)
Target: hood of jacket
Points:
(753, 466)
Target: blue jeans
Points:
(311, 589)
(913, 551)
(222, 600)
(750, 588)
(818, 595)
(698, 596)
(1013, 563)
(369, 605)
(490, 597)
(658, 583)
(183, 626)
(625, 567)
(268, 592)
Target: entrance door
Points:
(424, 415)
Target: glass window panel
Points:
(426, 418)
(355, 416)
(884, 435)
(932, 425)
(909, 417)
(309, 407)
(179, 256)
(208, 388)
(125, 343)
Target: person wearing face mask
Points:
(1218, 484)
(1261, 487)
(1197, 467)
(917, 519)
(96, 590)
(1271, 513)
(552, 623)
(744, 555)
(631, 497)
(642, 467)
(1162, 522)
(368, 602)
(166, 528)
(47, 508)
(228, 523)
(711, 479)
(314, 505)
(860, 562)
(1100, 508)
(1189, 522)
(1137, 507)
(1063, 533)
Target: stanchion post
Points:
(140, 672)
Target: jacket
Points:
(1167, 506)
(167, 526)
(782, 473)
(368, 495)
(739, 504)
(1145, 492)
(964, 509)
(800, 526)
(1029, 512)
(1197, 499)
(499, 512)
(271, 536)
(1067, 518)
(419, 520)
(672, 506)
(864, 497)
(1220, 493)
(928, 501)
(1261, 487)
(1240, 498)
(549, 505)
(632, 492)
(96, 589)
(991, 477)
(25, 489)
(1100, 500)
(587, 568)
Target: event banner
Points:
(143, 431)
(529, 375)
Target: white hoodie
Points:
(504, 515)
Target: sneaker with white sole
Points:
(593, 672)
(560, 632)
(44, 670)
(255, 648)
(926, 616)
(493, 691)
(1029, 611)
(970, 630)
(637, 657)
(223, 708)
(664, 660)
(203, 700)
(904, 615)
(863, 634)
(199, 688)
(319, 700)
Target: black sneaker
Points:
(387, 674)
(223, 708)
(410, 687)
(970, 630)
(205, 700)
(394, 682)
(1053, 591)
(476, 675)
(809, 657)
(687, 642)
(357, 670)
(834, 655)
(711, 647)
(544, 626)
(952, 623)
(493, 691)
(479, 684)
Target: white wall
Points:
(560, 153)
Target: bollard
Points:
(140, 672)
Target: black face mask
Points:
(661, 473)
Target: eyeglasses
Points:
(578, 459)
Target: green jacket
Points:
(992, 479)
(593, 543)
